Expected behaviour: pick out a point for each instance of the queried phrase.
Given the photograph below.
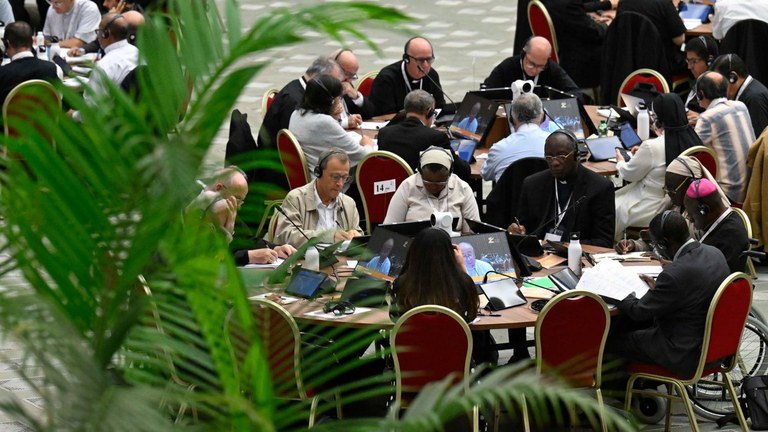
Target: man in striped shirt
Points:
(726, 128)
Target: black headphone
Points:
(574, 141)
(406, 56)
(710, 57)
(661, 244)
(339, 53)
(436, 148)
(704, 209)
(339, 308)
(732, 77)
(318, 171)
(328, 92)
(105, 32)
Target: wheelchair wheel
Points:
(649, 409)
(712, 401)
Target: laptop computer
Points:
(563, 114)
(604, 148)
(473, 117)
(631, 103)
(485, 252)
(524, 266)
(389, 249)
(499, 94)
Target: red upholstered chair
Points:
(266, 100)
(722, 334)
(365, 83)
(281, 339)
(706, 156)
(376, 167)
(292, 158)
(430, 343)
(570, 337)
(542, 25)
(31, 107)
(644, 75)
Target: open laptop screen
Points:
(485, 252)
(389, 250)
(565, 113)
(473, 117)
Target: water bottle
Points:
(602, 128)
(40, 39)
(53, 50)
(642, 122)
(574, 254)
(312, 259)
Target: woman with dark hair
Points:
(434, 273)
(316, 126)
(637, 202)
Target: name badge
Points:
(554, 235)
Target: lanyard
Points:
(560, 215)
(405, 78)
(715, 224)
(525, 75)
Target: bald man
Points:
(413, 71)
(534, 64)
(133, 18)
(356, 106)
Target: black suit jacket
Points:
(509, 70)
(593, 218)
(755, 97)
(730, 237)
(366, 111)
(580, 40)
(279, 113)
(678, 307)
(410, 137)
(24, 69)
(389, 89)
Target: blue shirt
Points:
(526, 141)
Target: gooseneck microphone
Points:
(552, 119)
(552, 89)
(421, 69)
(282, 212)
(571, 206)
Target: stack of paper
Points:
(629, 257)
(611, 280)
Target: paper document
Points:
(612, 280)
(331, 315)
(371, 125)
(608, 112)
(629, 257)
(277, 298)
(265, 266)
(691, 23)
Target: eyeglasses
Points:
(56, 2)
(673, 192)
(693, 61)
(349, 75)
(431, 183)
(427, 60)
(532, 65)
(559, 158)
(341, 178)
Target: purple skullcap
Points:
(704, 188)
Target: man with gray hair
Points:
(279, 113)
(411, 136)
(527, 140)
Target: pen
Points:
(517, 221)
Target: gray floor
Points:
(469, 36)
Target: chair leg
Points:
(735, 401)
(339, 412)
(688, 406)
(313, 411)
(601, 407)
(629, 393)
(476, 418)
(524, 408)
(668, 416)
(496, 417)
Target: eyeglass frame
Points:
(677, 189)
(428, 60)
(533, 65)
(345, 178)
(559, 158)
(693, 62)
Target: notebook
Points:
(604, 148)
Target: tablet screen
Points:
(305, 283)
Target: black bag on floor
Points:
(754, 390)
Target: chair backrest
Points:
(281, 339)
(365, 83)
(429, 343)
(505, 195)
(643, 75)
(570, 337)
(375, 168)
(292, 158)
(32, 104)
(542, 25)
(725, 322)
(746, 39)
(267, 99)
(706, 156)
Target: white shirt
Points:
(80, 22)
(729, 12)
(326, 213)
(6, 12)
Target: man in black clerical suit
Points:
(745, 88)
(567, 198)
(411, 136)
(279, 113)
(24, 65)
(720, 226)
(666, 326)
(413, 72)
(533, 64)
(354, 102)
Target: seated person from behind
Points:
(434, 188)
(721, 226)
(316, 128)
(414, 134)
(434, 274)
(637, 202)
(534, 64)
(527, 140)
(474, 266)
(72, 22)
(567, 198)
(381, 262)
(218, 203)
(320, 208)
(665, 17)
(678, 177)
(676, 304)
(395, 81)
(745, 88)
